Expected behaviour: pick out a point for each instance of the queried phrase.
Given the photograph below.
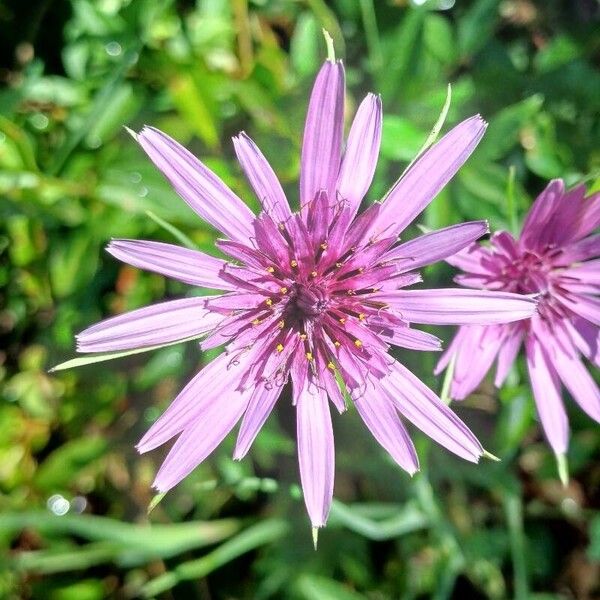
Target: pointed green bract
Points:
(315, 536)
(490, 456)
(563, 469)
(435, 131)
(176, 233)
(91, 359)
(330, 48)
(156, 500)
(431, 138)
(445, 393)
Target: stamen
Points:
(302, 336)
(268, 302)
(294, 264)
(331, 366)
(323, 246)
(361, 316)
(256, 322)
(309, 356)
(358, 343)
(279, 347)
(283, 290)
(337, 344)
(281, 324)
(313, 273)
(270, 269)
(342, 320)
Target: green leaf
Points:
(406, 518)
(475, 27)
(100, 105)
(315, 586)
(191, 101)
(593, 550)
(63, 465)
(439, 38)
(304, 51)
(113, 541)
(505, 127)
(400, 138)
(255, 536)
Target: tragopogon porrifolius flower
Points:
(556, 258)
(313, 296)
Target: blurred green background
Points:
(73, 492)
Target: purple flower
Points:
(314, 296)
(557, 258)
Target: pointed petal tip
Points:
(481, 120)
(141, 448)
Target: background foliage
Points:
(74, 494)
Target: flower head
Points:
(555, 258)
(315, 297)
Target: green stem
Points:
(513, 509)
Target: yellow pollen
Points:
(331, 366)
(256, 322)
(342, 320)
(324, 246)
(336, 344)
(281, 324)
(361, 316)
(358, 343)
(270, 269)
(294, 263)
(279, 347)
(313, 273)
(283, 290)
(309, 356)
(268, 301)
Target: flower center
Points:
(309, 300)
(528, 274)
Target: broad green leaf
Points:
(66, 462)
(505, 127)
